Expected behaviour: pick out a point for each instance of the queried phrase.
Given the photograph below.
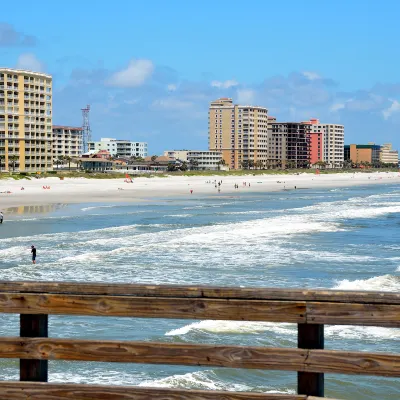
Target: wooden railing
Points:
(310, 309)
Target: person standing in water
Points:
(33, 251)
(1, 217)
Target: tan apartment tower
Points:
(25, 121)
(239, 132)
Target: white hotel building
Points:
(121, 148)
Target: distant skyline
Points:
(150, 69)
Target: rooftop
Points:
(67, 127)
(23, 71)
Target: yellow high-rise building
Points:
(239, 132)
(26, 140)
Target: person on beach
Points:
(1, 217)
(33, 251)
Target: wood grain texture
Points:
(326, 361)
(49, 391)
(79, 288)
(123, 306)
(353, 314)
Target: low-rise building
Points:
(362, 153)
(176, 154)
(388, 155)
(67, 141)
(120, 148)
(205, 160)
(97, 164)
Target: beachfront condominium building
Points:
(331, 140)
(199, 159)
(362, 153)
(25, 121)
(388, 155)
(239, 132)
(67, 141)
(120, 148)
(180, 155)
(288, 145)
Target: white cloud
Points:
(311, 76)
(172, 104)
(337, 107)
(224, 85)
(245, 96)
(172, 87)
(28, 61)
(137, 72)
(394, 108)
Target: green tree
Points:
(171, 167)
(153, 158)
(244, 164)
(68, 159)
(184, 166)
(12, 160)
(193, 164)
(2, 161)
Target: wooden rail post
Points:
(33, 325)
(311, 337)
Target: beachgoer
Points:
(33, 251)
(191, 191)
(1, 217)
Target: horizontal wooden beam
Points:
(148, 307)
(52, 391)
(285, 359)
(250, 293)
(204, 308)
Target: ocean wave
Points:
(205, 380)
(179, 215)
(96, 207)
(388, 283)
(232, 327)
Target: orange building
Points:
(316, 140)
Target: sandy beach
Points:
(81, 190)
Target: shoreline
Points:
(82, 190)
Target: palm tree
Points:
(184, 166)
(221, 162)
(68, 159)
(259, 164)
(193, 164)
(153, 158)
(12, 161)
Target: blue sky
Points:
(150, 69)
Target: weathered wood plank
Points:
(328, 361)
(250, 293)
(52, 391)
(154, 353)
(353, 314)
(122, 306)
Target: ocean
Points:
(345, 238)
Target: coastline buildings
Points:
(67, 141)
(239, 132)
(121, 148)
(361, 153)
(199, 159)
(331, 142)
(388, 155)
(26, 138)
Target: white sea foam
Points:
(179, 215)
(388, 283)
(232, 327)
(204, 380)
(96, 207)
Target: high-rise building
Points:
(388, 155)
(121, 148)
(288, 144)
(239, 132)
(67, 141)
(25, 121)
(333, 142)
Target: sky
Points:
(149, 69)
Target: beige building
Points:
(239, 132)
(67, 141)
(176, 154)
(25, 120)
(333, 142)
(388, 155)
